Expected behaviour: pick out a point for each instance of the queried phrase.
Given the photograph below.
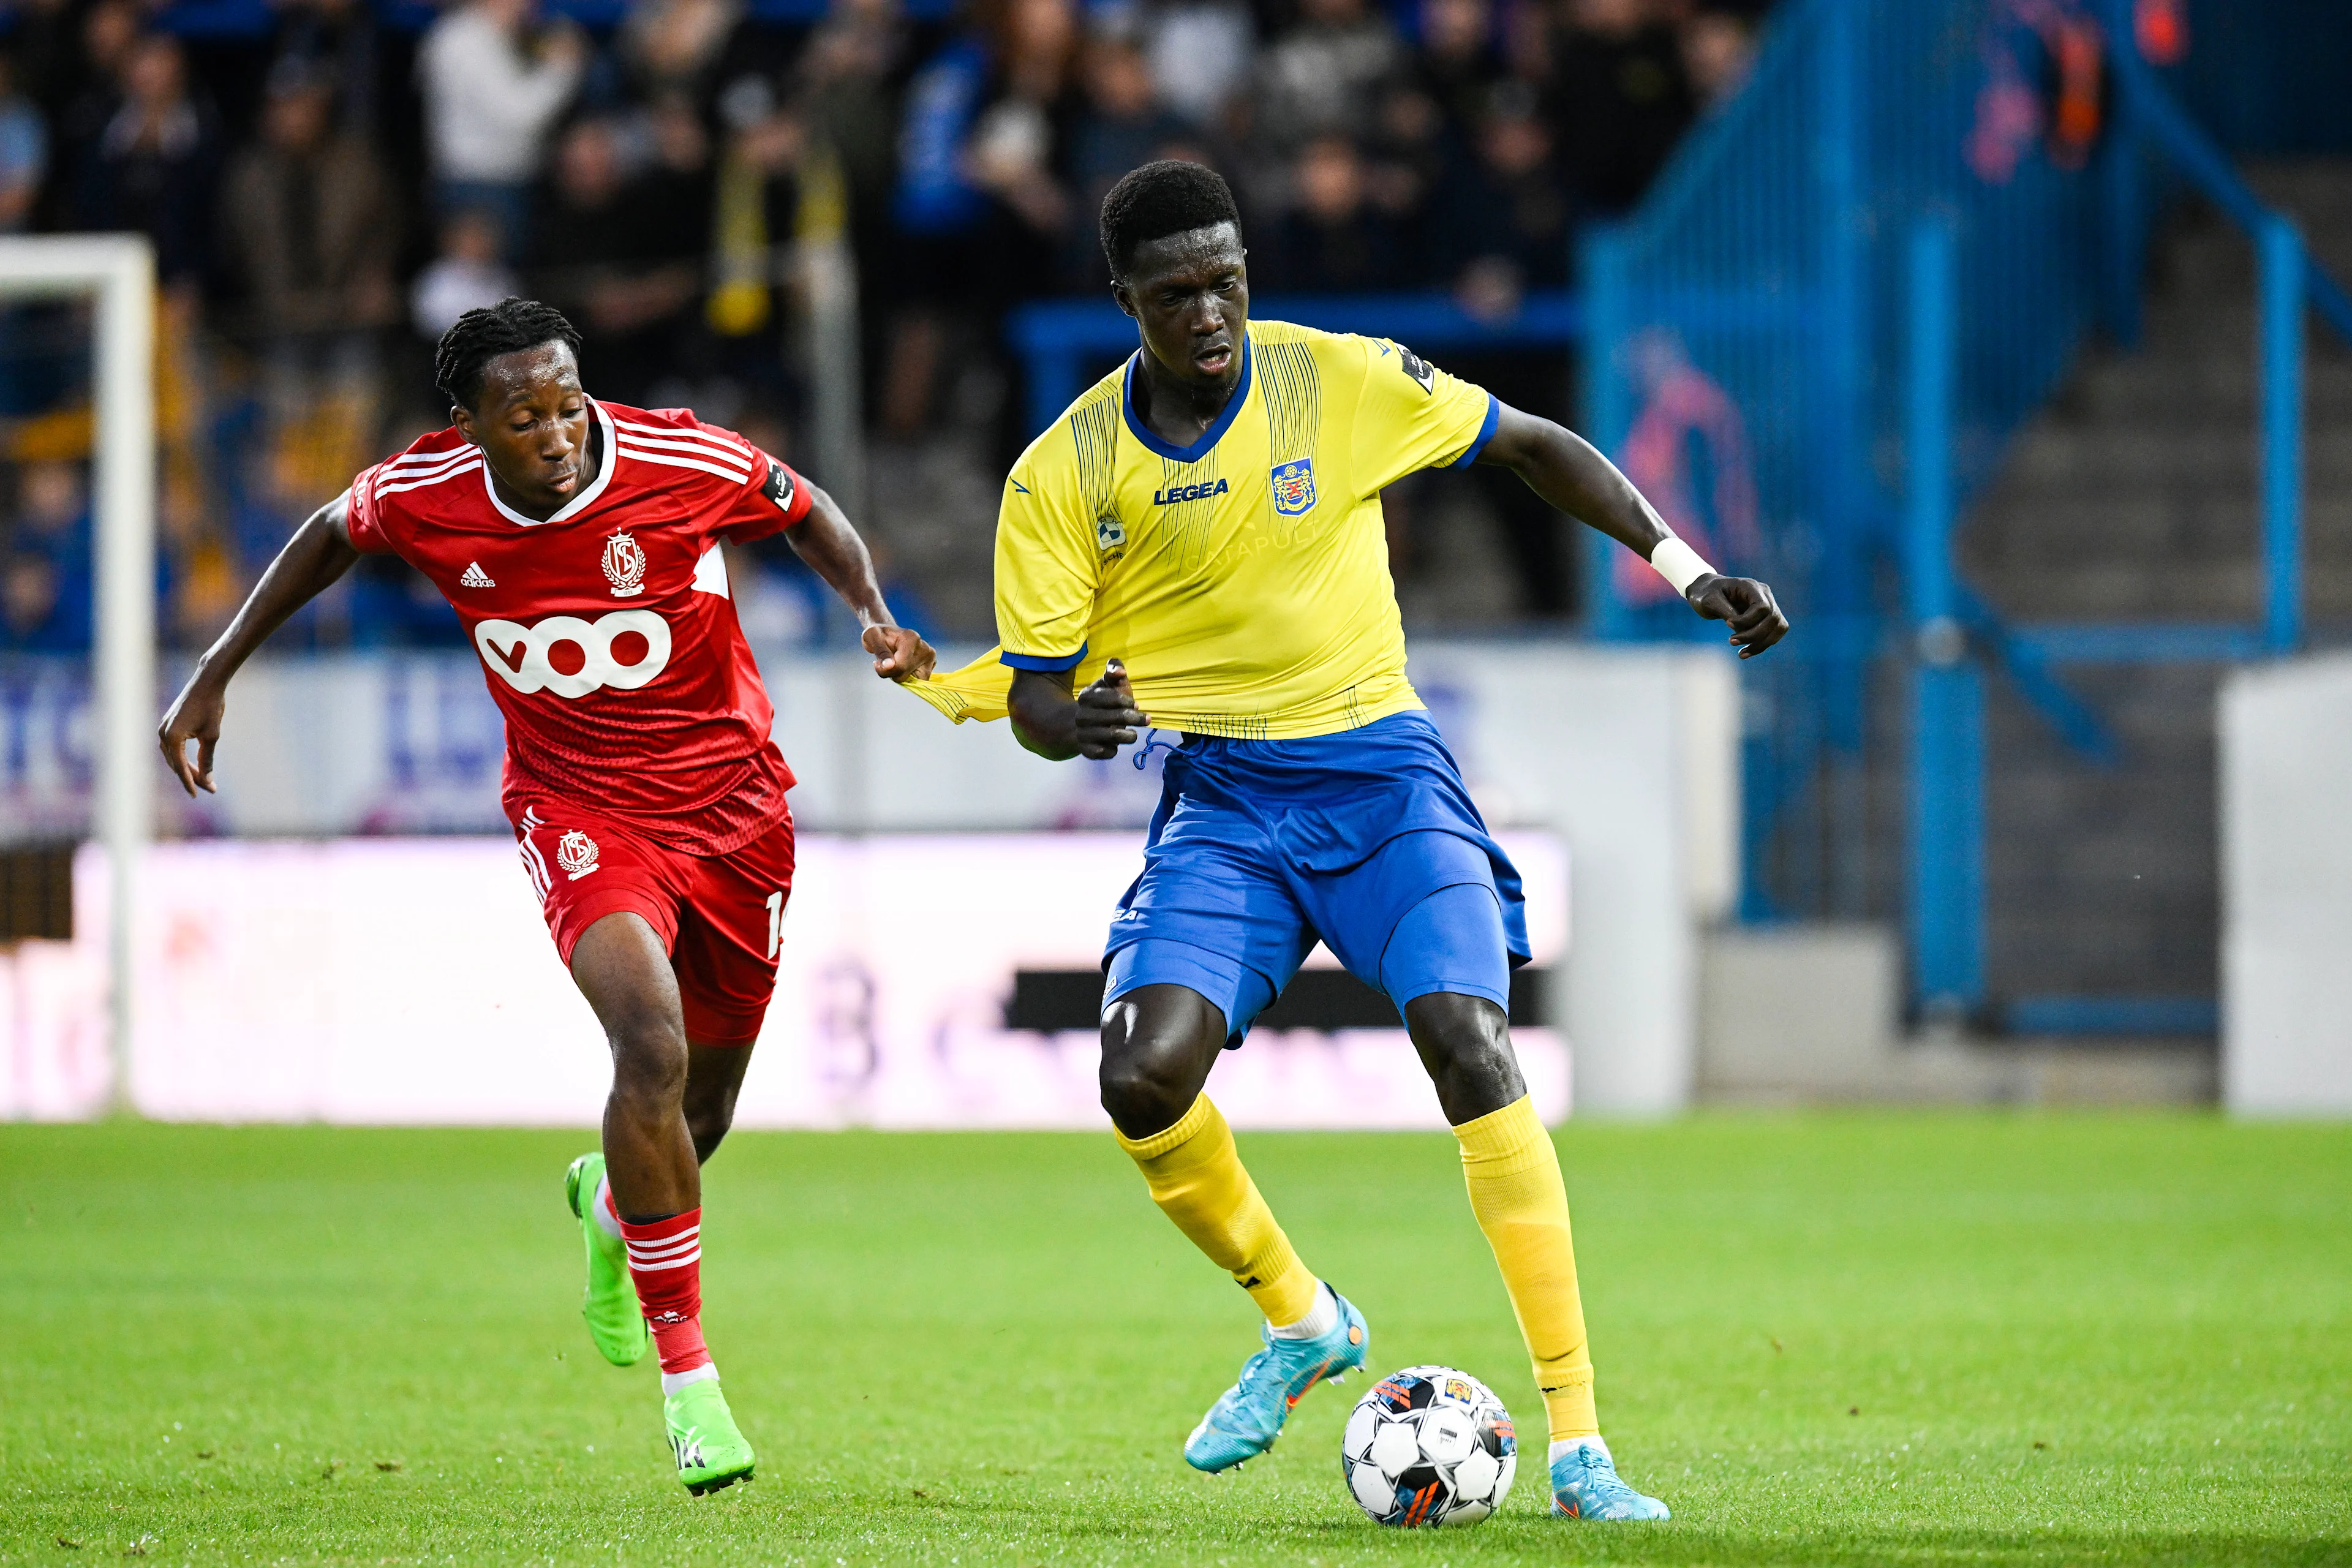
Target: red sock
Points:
(666, 1262)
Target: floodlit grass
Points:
(1852, 1339)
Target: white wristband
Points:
(1678, 564)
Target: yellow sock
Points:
(1197, 1179)
(1522, 1206)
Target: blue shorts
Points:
(1365, 840)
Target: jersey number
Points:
(775, 923)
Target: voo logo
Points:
(572, 657)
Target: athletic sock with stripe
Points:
(666, 1262)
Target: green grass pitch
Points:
(1852, 1340)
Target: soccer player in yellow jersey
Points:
(1199, 536)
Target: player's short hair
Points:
(481, 335)
(1171, 196)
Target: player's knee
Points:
(709, 1112)
(1464, 1043)
(1145, 1087)
(649, 1058)
(1153, 1063)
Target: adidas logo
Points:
(476, 577)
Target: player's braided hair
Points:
(1171, 196)
(481, 335)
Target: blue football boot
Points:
(1248, 1417)
(1584, 1484)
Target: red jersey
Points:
(605, 632)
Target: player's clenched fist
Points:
(1747, 605)
(900, 654)
(1107, 716)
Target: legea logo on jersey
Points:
(1294, 485)
(1200, 491)
(576, 853)
(624, 566)
(572, 657)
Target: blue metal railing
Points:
(1946, 688)
(1892, 172)
(1948, 836)
(1858, 118)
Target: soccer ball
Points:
(1429, 1446)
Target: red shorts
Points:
(720, 917)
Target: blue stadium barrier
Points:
(2111, 1016)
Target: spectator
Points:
(50, 58)
(1123, 125)
(625, 282)
(979, 122)
(1333, 239)
(1010, 154)
(1621, 100)
(24, 152)
(933, 198)
(679, 172)
(336, 41)
(842, 93)
(1327, 76)
(311, 220)
(757, 181)
(46, 582)
(466, 275)
(1717, 49)
(79, 86)
(29, 599)
(312, 228)
(492, 91)
(1199, 52)
(155, 166)
(1503, 222)
(1458, 64)
(977, 203)
(677, 46)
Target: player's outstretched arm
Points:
(1057, 726)
(319, 553)
(1568, 471)
(826, 541)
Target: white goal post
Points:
(118, 272)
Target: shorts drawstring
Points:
(1143, 755)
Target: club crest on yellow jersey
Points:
(1294, 487)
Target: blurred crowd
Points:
(329, 183)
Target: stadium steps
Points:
(2132, 497)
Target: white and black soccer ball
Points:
(1429, 1446)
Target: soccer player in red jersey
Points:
(579, 542)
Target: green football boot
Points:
(614, 1321)
(710, 1452)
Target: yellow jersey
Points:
(1244, 579)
